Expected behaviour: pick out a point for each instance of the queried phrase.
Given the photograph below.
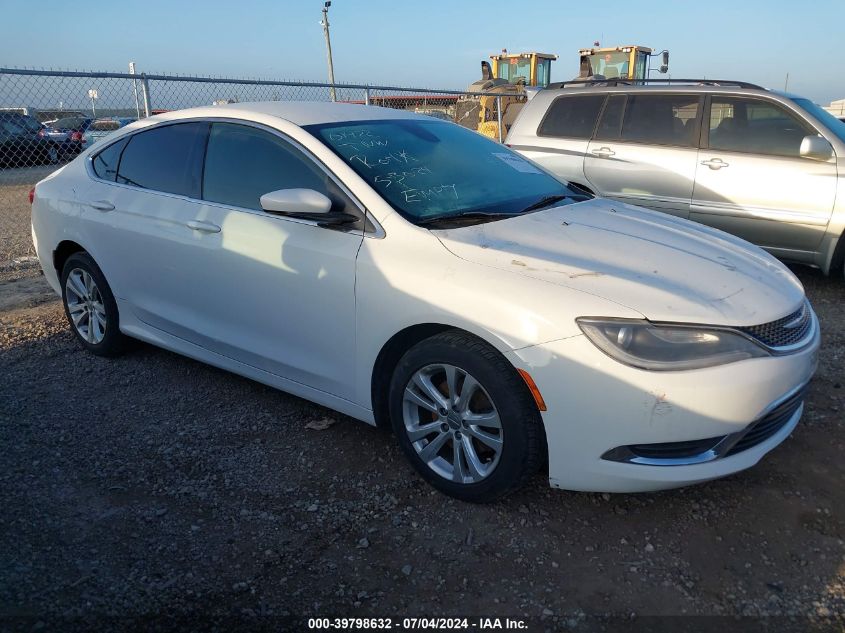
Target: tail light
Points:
(76, 136)
(42, 132)
(32, 195)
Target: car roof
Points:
(297, 112)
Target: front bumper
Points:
(597, 406)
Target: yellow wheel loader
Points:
(503, 85)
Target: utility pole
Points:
(786, 83)
(135, 89)
(325, 24)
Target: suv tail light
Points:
(76, 136)
(32, 195)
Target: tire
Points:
(497, 411)
(88, 301)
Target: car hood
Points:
(665, 268)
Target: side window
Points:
(572, 117)
(753, 126)
(167, 159)
(661, 119)
(610, 124)
(105, 163)
(243, 163)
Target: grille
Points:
(770, 424)
(784, 332)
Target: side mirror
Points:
(664, 67)
(296, 201)
(816, 147)
(306, 204)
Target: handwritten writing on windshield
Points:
(392, 167)
(439, 192)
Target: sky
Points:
(431, 43)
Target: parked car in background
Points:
(764, 165)
(67, 133)
(101, 128)
(409, 272)
(22, 142)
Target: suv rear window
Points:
(661, 119)
(572, 116)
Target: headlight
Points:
(668, 347)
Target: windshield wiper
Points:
(548, 201)
(465, 217)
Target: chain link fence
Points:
(48, 117)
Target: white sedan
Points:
(411, 273)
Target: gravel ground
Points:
(152, 486)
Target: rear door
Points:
(751, 180)
(645, 149)
(137, 211)
(562, 136)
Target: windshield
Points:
(611, 65)
(511, 68)
(831, 122)
(433, 169)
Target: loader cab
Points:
(621, 62)
(530, 69)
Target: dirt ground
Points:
(152, 490)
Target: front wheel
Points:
(464, 418)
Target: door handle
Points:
(205, 227)
(603, 152)
(102, 205)
(715, 163)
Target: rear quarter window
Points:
(572, 116)
(106, 162)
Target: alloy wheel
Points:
(85, 306)
(452, 423)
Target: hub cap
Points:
(85, 306)
(452, 423)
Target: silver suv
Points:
(764, 165)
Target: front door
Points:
(270, 291)
(751, 180)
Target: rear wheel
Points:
(90, 306)
(464, 418)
